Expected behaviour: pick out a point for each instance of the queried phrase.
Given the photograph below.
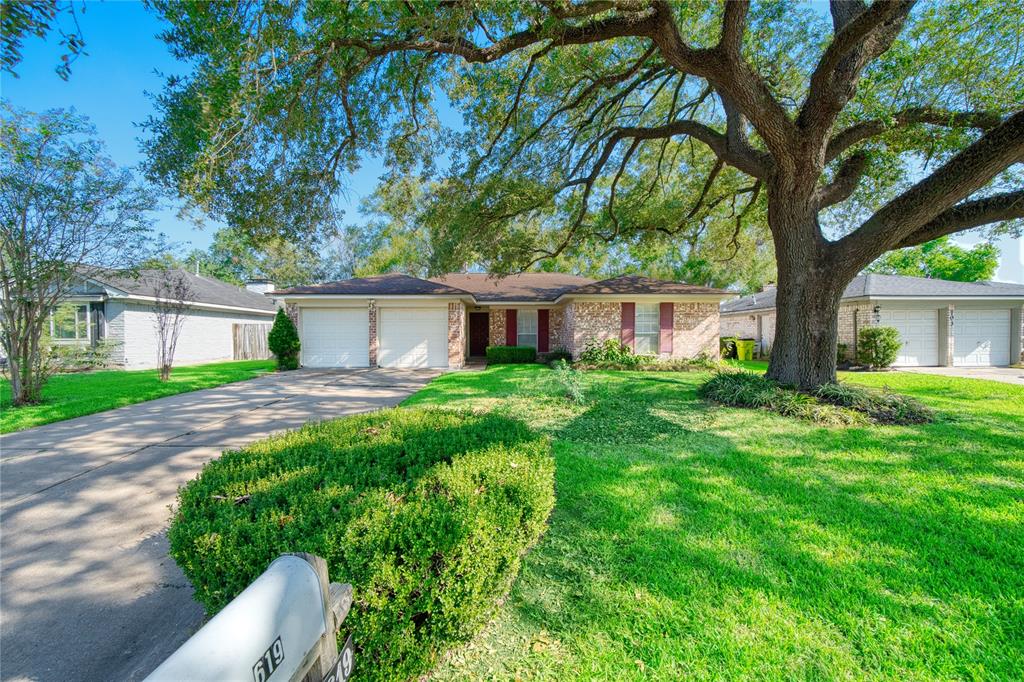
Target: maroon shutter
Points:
(542, 331)
(511, 332)
(628, 323)
(665, 313)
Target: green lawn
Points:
(73, 395)
(699, 542)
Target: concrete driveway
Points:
(87, 590)
(1006, 375)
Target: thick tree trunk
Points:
(807, 301)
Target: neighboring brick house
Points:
(941, 323)
(119, 311)
(401, 321)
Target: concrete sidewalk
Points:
(87, 590)
(1006, 375)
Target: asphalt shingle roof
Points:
(870, 285)
(378, 285)
(528, 286)
(538, 287)
(207, 289)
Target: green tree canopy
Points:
(872, 127)
(941, 259)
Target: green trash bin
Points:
(745, 349)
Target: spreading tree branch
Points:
(843, 140)
(961, 176)
(969, 214)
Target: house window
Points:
(646, 329)
(69, 323)
(526, 328)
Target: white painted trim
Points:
(291, 298)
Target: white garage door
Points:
(981, 338)
(413, 337)
(335, 337)
(919, 331)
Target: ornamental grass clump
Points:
(426, 512)
(831, 404)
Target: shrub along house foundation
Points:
(401, 321)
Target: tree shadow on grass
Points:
(758, 543)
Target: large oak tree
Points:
(872, 127)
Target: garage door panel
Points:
(919, 333)
(335, 337)
(413, 337)
(981, 338)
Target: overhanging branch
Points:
(969, 214)
(843, 140)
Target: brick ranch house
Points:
(402, 321)
(941, 323)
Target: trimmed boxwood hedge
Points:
(427, 513)
(504, 355)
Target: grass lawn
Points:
(73, 395)
(697, 542)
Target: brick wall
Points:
(556, 329)
(496, 320)
(456, 334)
(852, 318)
(695, 330)
(595, 321)
(740, 325)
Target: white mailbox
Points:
(282, 627)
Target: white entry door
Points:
(919, 331)
(335, 337)
(413, 337)
(981, 338)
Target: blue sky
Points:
(109, 85)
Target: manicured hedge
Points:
(427, 513)
(504, 355)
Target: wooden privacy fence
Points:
(250, 341)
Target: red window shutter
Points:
(542, 331)
(511, 332)
(628, 323)
(666, 313)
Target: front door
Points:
(479, 331)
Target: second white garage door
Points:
(413, 337)
(335, 337)
(919, 331)
(981, 338)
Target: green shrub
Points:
(612, 354)
(835, 404)
(877, 347)
(570, 381)
(506, 355)
(883, 407)
(283, 341)
(427, 513)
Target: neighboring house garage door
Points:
(981, 338)
(919, 331)
(413, 337)
(335, 337)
